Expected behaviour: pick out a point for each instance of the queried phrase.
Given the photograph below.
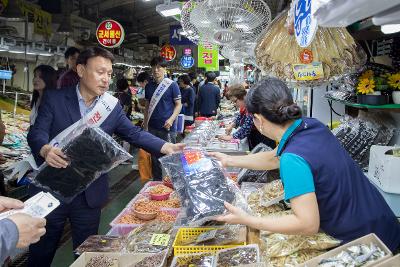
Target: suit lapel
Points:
(73, 106)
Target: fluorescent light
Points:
(390, 28)
(169, 9)
(183, 33)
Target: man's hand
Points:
(7, 203)
(168, 124)
(54, 156)
(30, 229)
(169, 148)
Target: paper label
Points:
(194, 161)
(160, 240)
(308, 72)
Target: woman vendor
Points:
(325, 186)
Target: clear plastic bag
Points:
(294, 259)
(238, 256)
(90, 153)
(202, 184)
(280, 245)
(101, 243)
(197, 259)
(271, 193)
(155, 260)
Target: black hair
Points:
(210, 76)
(143, 76)
(159, 61)
(193, 76)
(71, 51)
(94, 52)
(49, 75)
(122, 84)
(185, 79)
(273, 100)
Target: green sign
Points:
(208, 57)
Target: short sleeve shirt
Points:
(296, 174)
(165, 107)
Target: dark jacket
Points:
(209, 99)
(60, 109)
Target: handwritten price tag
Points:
(160, 240)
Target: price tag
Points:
(160, 240)
(206, 236)
(308, 72)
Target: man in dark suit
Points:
(60, 109)
(209, 96)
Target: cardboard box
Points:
(392, 262)
(383, 170)
(362, 240)
(122, 260)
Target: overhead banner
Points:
(305, 24)
(175, 38)
(110, 33)
(208, 57)
(41, 18)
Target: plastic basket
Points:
(187, 233)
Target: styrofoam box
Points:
(384, 170)
(367, 239)
(392, 262)
(393, 200)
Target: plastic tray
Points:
(186, 233)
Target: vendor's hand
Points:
(54, 157)
(225, 137)
(168, 124)
(229, 129)
(7, 203)
(30, 229)
(234, 216)
(169, 148)
(223, 158)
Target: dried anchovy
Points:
(151, 261)
(294, 259)
(100, 243)
(102, 261)
(237, 256)
(198, 260)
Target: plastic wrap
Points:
(238, 256)
(228, 235)
(201, 184)
(197, 259)
(90, 153)
(280, 245)
(277, 53)
(101, 243)
(294, 259)
(139, 240)
(254, 202)
(256, 176)
(156, 260)
(357, 135)
(271, 193)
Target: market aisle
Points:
(124, 185)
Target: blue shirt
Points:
(295, 172)
(188, 97)
(165, 107)
(209, 98)
(82, 106)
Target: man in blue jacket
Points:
(209, 96)
(61, 109)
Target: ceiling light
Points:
(390, 28)
(169, 8)
(183, 33)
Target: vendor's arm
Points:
(39, 136)
(245, 129)
(299, 189)
(258, 161)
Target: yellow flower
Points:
(394, 81)
(366, 86)
(367, 75)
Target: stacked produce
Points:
(278, 52)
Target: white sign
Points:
(305, 24)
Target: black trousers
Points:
(84, 223)
(155, 164)
(256, 137)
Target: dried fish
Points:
(198, 260)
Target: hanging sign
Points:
(168, 52)
(175, 36)
(308, 72)
(208, 57)
(187, 51)
(5, 74)
(306, 56)
(41, 19)
(110, 33)
(305, 25)
(187, 62)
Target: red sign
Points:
(306, 56)
(110, 33)
(168, 52)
